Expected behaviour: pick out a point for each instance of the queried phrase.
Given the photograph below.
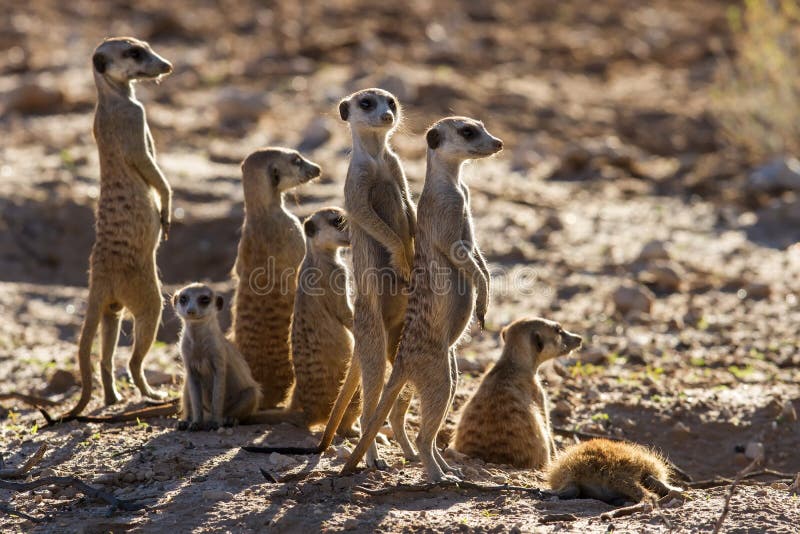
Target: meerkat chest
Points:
(201, 357)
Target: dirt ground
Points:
(615, 175)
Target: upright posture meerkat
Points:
(322, 343)
(507, 421)
(450, 281)
(133, 211)
(270, 251)
(218, 388)
(611, 471)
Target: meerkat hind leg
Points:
(397, 419)
(370, 350)
(146, 317)
(109, 335)
(433, 403)
(245, 404)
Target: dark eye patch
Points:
(183, 300)
(204, 300)
(392, 104)
(366, 103)
(136, 53)
(468, 132)
(297, 161)
(276, 177)
(338, 222)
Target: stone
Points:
(754, 449)
(316, 134)
(788, 413)
(663, 275)
(654, 250)
(633, 298)
(778, 175)
(35, 99)
(60, 382)
(217, 495)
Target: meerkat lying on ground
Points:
(611, 471)
(450, 281)
(218, 388)
(133, 212)
(270, 251)
(507, 421)
(322, 344)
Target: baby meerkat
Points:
(270, 252)
(219, 388)
(450, 282)
(507, 421)
(611, 471)
(132, 215)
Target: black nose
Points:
(498, 144)
(387, 117)
(313, 172)
(166, 68)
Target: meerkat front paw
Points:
(212, 425)
(183, 424)
(230, 421)
(194, 426)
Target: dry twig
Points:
(159, 410)
(722, 481)
(19, 472)
(86, 489)
(33, 400)
(739, 476)
(4, 507)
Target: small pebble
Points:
(754, 449)
(217, 495)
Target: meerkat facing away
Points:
(322, 344)
(450, 281)
(611, 471)
(218, 388)
(270, 251)
(507, 421)
(132, 213)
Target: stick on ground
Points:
(86, 489)
(726, 507)
(450, 485)
(159, 410)
(19, 472)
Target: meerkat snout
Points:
(370, 108)
(545, 339)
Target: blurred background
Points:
(648, 178)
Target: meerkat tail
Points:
(90, 325)
(390, 394)
(348, 390)
(275, 416)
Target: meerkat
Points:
(613, 472)
(270, 252)
(133, 214)
(219, 388)
(450, 283)
(381, 218)
(507, 421)
(322, 343)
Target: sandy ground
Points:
(614, 175)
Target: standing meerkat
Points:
(218, 388)
(270, 251)
(451, 280)
(381, 218)
(133, 211)
(507, 421)
(611, 471)
(322, 343)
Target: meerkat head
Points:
(540, 338)
(371, 109)
(326, 229)
(461, 138)
(125, 59)
(271, 171)
(197, 303)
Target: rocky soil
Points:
(616, 208)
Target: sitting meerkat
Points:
(322, 343)
(507, 421)
(133, 213)
(218, 388)
(270, 252)
(611, 471)
(446, 257)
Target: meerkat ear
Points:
(220, 302)
(310, 228)
(537, 341)
(99, 61)
(175, 300)
(503, 333)
(344, 109)
(434, 138)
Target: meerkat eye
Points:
(204, 301)
(183, 299)
(468, 132)
(276, 177)
(392, 104)
(338, 222)
(297, 161)
(136, 54)
(365, 104)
